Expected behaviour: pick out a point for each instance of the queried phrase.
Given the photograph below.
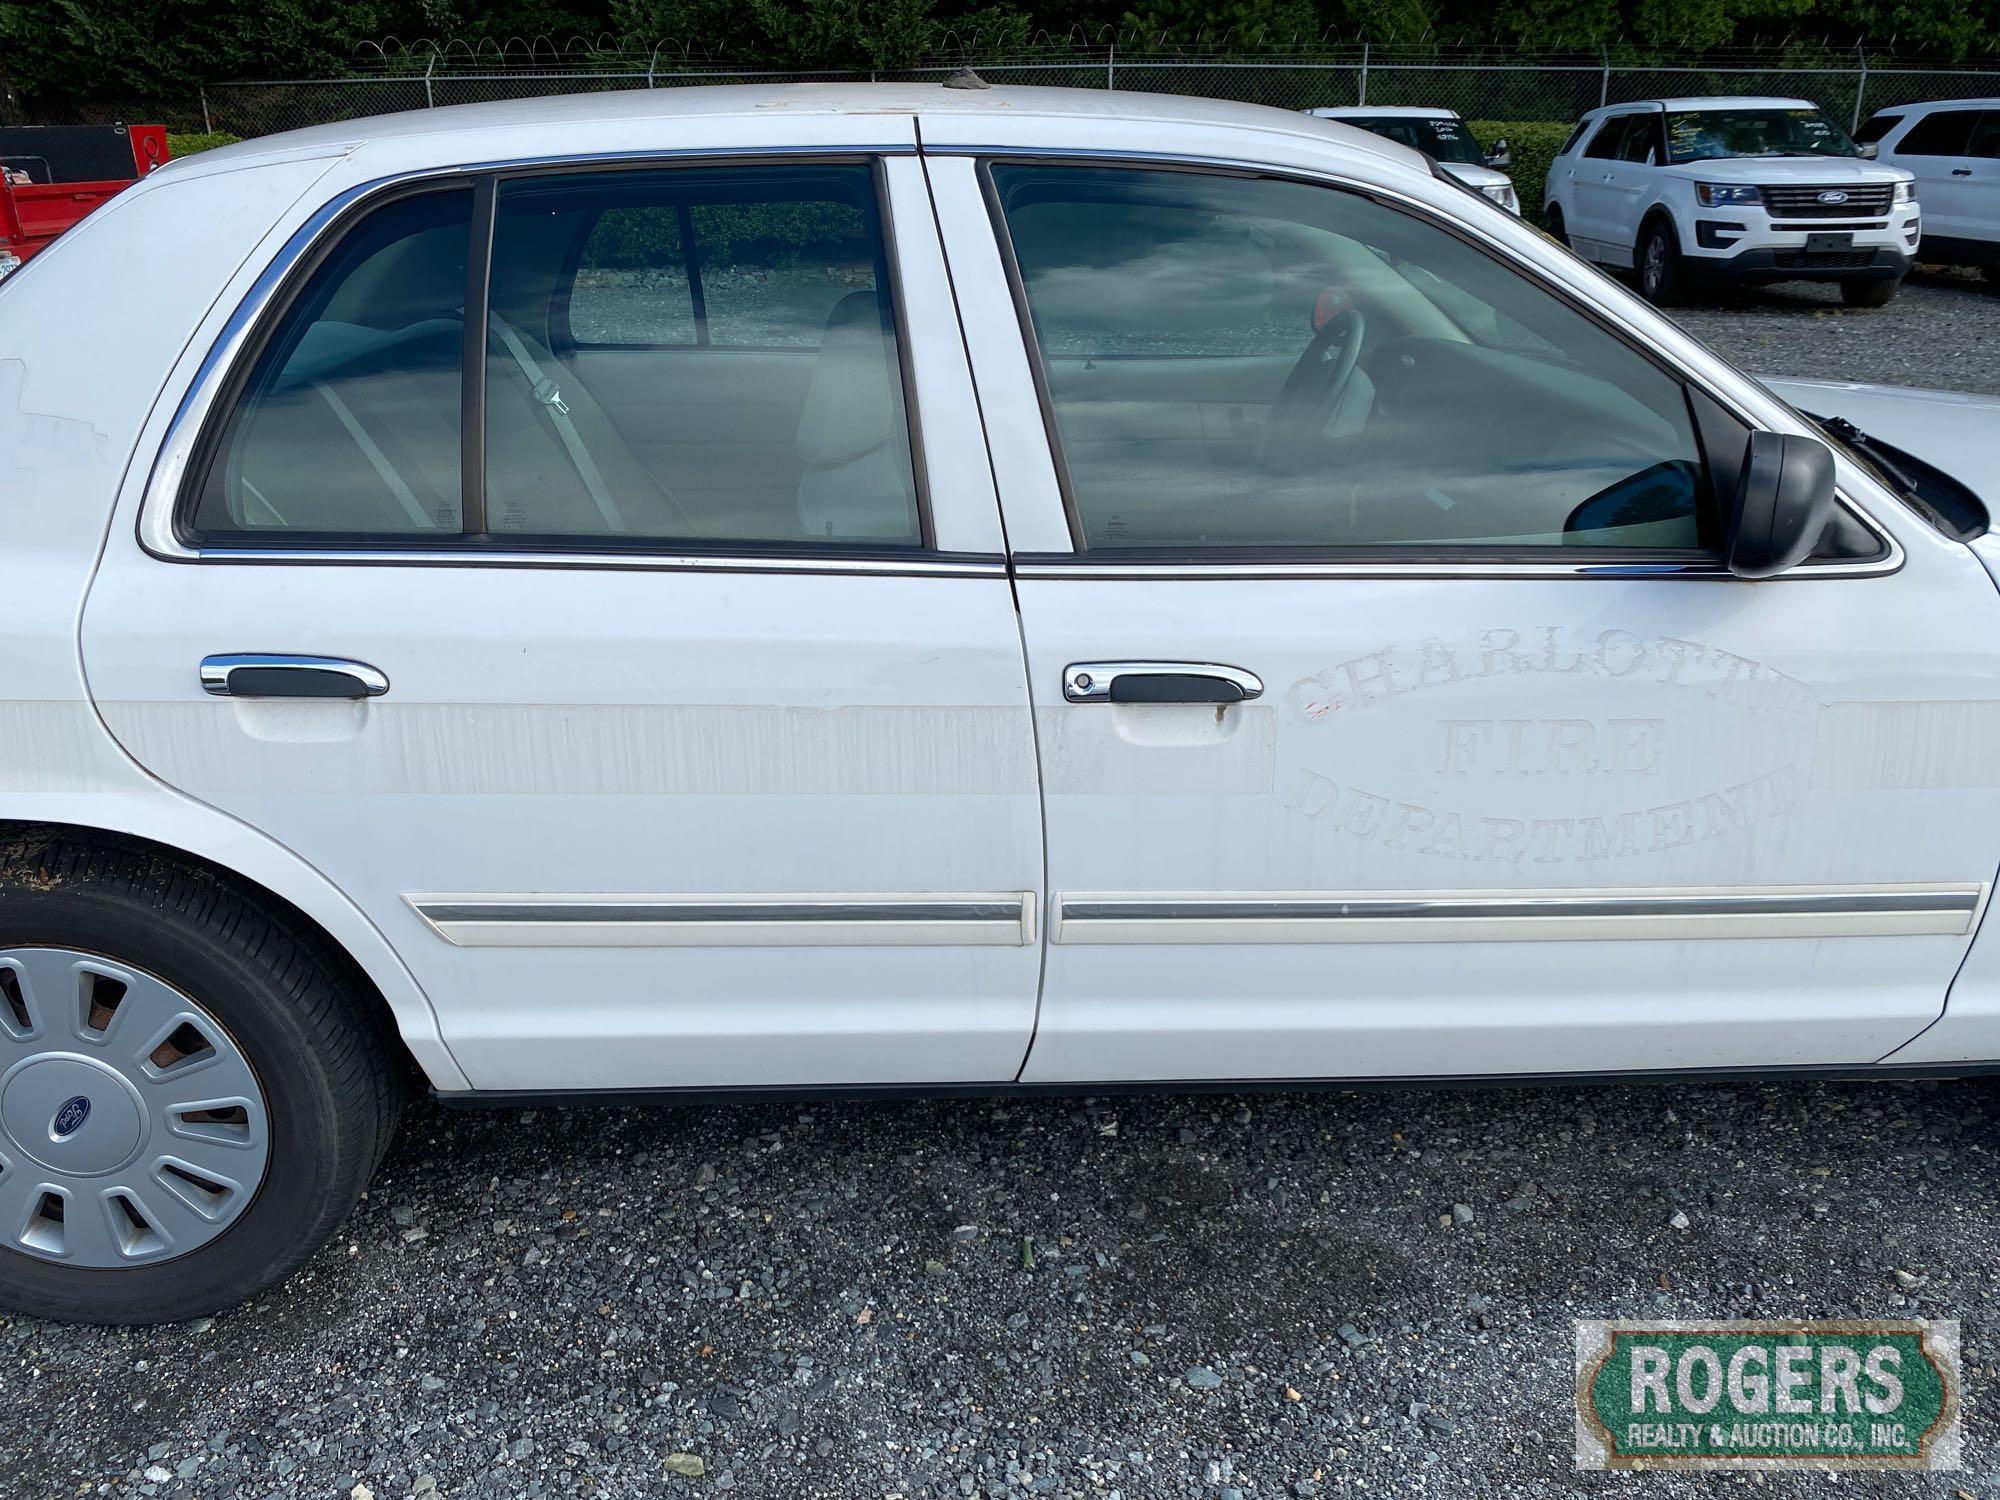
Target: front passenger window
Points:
(1251, 363)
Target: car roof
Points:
(1384, 112)
(1929, 104)
(806, 101)
(1711, 101)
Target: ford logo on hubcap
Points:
(1833, 195)
(69, 1119)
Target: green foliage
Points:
(1535, 144)
(179, 145)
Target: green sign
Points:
(1837, 1394)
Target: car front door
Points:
(625, 661)
(1419, 731)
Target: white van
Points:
(1952, 148)
(1445, 138)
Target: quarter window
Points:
(1251, 363)
(685, 356)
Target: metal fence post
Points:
(207, 125)
(1111, 66)
(430, 101)
(1362, 102)
(1604, 85)
(1861, 86)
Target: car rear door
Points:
(1954, 189)
(1441, 744)
(1602, 200)
(667, 753)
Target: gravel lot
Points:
(1941, 332)
(1364, 1293)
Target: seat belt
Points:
(377, 459)
(549, 394)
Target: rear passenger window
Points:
(694, 356)
(348, 425)
(1942, 133)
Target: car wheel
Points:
(1874, 293)
(1659, 264)
(1553, 218)
(194, 1090)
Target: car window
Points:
(348, 424)
(1640, 140)
(1574, 136)
(1943, 132)
(1604, 145)
(632, 283)
(1255, 363)
(1986, 136)
(1717, 134)
(1875, 127)
(702, 355)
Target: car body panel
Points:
(1960, 191)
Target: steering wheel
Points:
(1311, 393)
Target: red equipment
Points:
(52, 175)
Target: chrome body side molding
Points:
(1946, 910)
(991, 919)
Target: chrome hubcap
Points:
(1656, 261)
(132, 1128)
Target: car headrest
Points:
(850, 406)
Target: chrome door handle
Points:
(261, 675)
(1961, 171)
(1158, 682)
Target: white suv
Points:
(1952, 147)
(1744, 190)
(1444, 137)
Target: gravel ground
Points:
(1941, 332)
(1283, 1296)
(1274, 1296)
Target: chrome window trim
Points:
(1307, 566)
(158, 501)
(736, 920)
(1946, 909)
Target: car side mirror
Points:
(1868, 150)
(1501, 156)
(1783, 502)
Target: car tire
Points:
(1553, 220)
(252, 1127)
(1875, 292)
(1659, 263)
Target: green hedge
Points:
(188, 145)
(1535, 144)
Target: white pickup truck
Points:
(896, 588)
(1750, 190)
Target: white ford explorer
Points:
(902, 587)
(1742, 190)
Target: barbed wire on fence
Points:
(1481, 81)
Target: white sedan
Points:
(912, 587)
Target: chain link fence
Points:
(1483, 84)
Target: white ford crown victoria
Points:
(858, 588)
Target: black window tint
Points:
(1574, 136)
(632, 284)
(758, 396)
(1986, 136)
(1875, 127)
(1945, 132)
(348, 424)
(1254, 363)
(1640, 141)
(1604, 145)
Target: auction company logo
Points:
(1835, 1394)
